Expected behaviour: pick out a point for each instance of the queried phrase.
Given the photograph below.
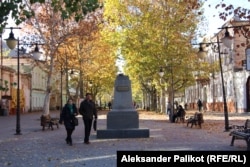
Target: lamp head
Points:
(161, 72)
(90, 83)
(11, 41)
(227, 40)
(201, 53)
(36, 53)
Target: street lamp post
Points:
(12, 42)
(213, 77)
(90, 85)
(223, 89)
(1, 82)
(61, 88)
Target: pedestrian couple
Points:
(87, 110)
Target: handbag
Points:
(75, 121)
(94, 125)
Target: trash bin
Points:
(5, 112)
(1, 112)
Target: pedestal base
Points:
(122, 124)
(122, 133)
(122, 120)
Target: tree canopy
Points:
(19, 12)
(154, 34)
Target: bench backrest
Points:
(198, 117)
(247, 124)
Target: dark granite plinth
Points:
(122, 120)
(122, 133)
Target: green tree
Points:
(18, 10)
(152, 34)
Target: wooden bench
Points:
(241, 132)
(242, 127)
(241, 135)
(47, 121)
(197, 119)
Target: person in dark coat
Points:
(199, 104)
(180, 112)
(67, 116)
(109, 105)
(88, 111)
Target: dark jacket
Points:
(67, 117)
(88, 109)
(199, 103)
(180, 112)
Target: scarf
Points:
(70, 106)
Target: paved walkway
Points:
(48, 148)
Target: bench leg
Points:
(248, 146)
(192, 124)
(232, 141)
(183, 120)
(199, 124)
(248, 143)
(51, 125)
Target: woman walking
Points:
(67, 116)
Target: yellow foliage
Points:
(13, 103)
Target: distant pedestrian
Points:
(109, 105)
(185, 106)
(134, 104)
(199, 104)
(168, 111)
(67, 116)
(88, 111)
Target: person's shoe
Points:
(67, 141)
(70, 142)
(86, 142)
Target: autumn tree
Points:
(91, 58)
(49, 25)
(18, 11)
(154, 34)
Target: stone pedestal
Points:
(123, 119)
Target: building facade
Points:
(235, 74)
(32, 84)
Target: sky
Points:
(212, 14)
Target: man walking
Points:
(199, 104)
(88, 111)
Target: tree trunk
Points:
(81, 84)
(77, 90)
(163, 101)
(47, 96)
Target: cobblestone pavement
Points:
(38, 148)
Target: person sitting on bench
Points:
(180, 112)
